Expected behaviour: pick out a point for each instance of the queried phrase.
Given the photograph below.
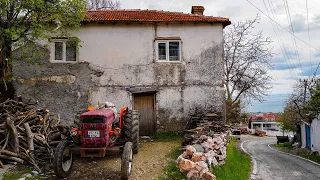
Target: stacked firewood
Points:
(205, 146)
(27, 134)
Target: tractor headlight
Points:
(74, 131)
(117, 131)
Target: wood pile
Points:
(27, 134)
(205, 146)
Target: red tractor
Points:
(101, 133)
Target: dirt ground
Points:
(148, 164)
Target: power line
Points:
(308, 34)
(282, 26)
(279, 36)
(315, 72)
(286, 6)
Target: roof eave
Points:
(224, 23)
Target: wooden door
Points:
(144, 103)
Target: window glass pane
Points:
(174, 51)
(162, 51)
(58, 50)
(71, 51)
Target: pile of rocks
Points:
(196, 159)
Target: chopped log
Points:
(6, 142)
(12, 154)
(1, 165)
(12, 158)
(29, 136)
(14, 134)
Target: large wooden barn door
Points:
(144, 103)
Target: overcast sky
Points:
(293, 60)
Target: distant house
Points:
(265, 121)
(168, 64)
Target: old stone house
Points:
(171, 62)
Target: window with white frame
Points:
(168, 50)
(64, 51)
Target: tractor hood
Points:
(106, 113)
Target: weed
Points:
(167, 136)
(237, 166)
(172, 172)
(17, 175)
(287, 145)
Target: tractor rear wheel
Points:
(126, 161)
(131, 129)
(63, 160)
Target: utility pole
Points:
(305, 84)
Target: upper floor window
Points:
(64, 51)
(168, 50)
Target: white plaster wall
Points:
(303, 135)
(169, 104)
(118, 97)
(278, 133)
(315, 135)
(126, 52)
(201, 97)
(121, 51)
(195, 37)
(125, 56)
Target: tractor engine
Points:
(96, 126)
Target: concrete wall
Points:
(315, 135)
(114, 56)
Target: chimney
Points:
(197, 10)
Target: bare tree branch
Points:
(102, 4)
(247, 58)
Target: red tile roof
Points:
(150, 16)
(265, 117)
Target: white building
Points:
(171, 62)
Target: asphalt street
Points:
(269, 164)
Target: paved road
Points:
(268, 164)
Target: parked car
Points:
(236, 134)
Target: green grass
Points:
(17, 175)
(167, 136)
(237, 167)
(315, 158)
(172, 172)
(285, 145)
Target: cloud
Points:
(299, 23)
(317, 54)
(230, 11)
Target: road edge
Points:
(254, 171)
(293, 155)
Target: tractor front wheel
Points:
(131, 129)
(63, 160)
(126, 161)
